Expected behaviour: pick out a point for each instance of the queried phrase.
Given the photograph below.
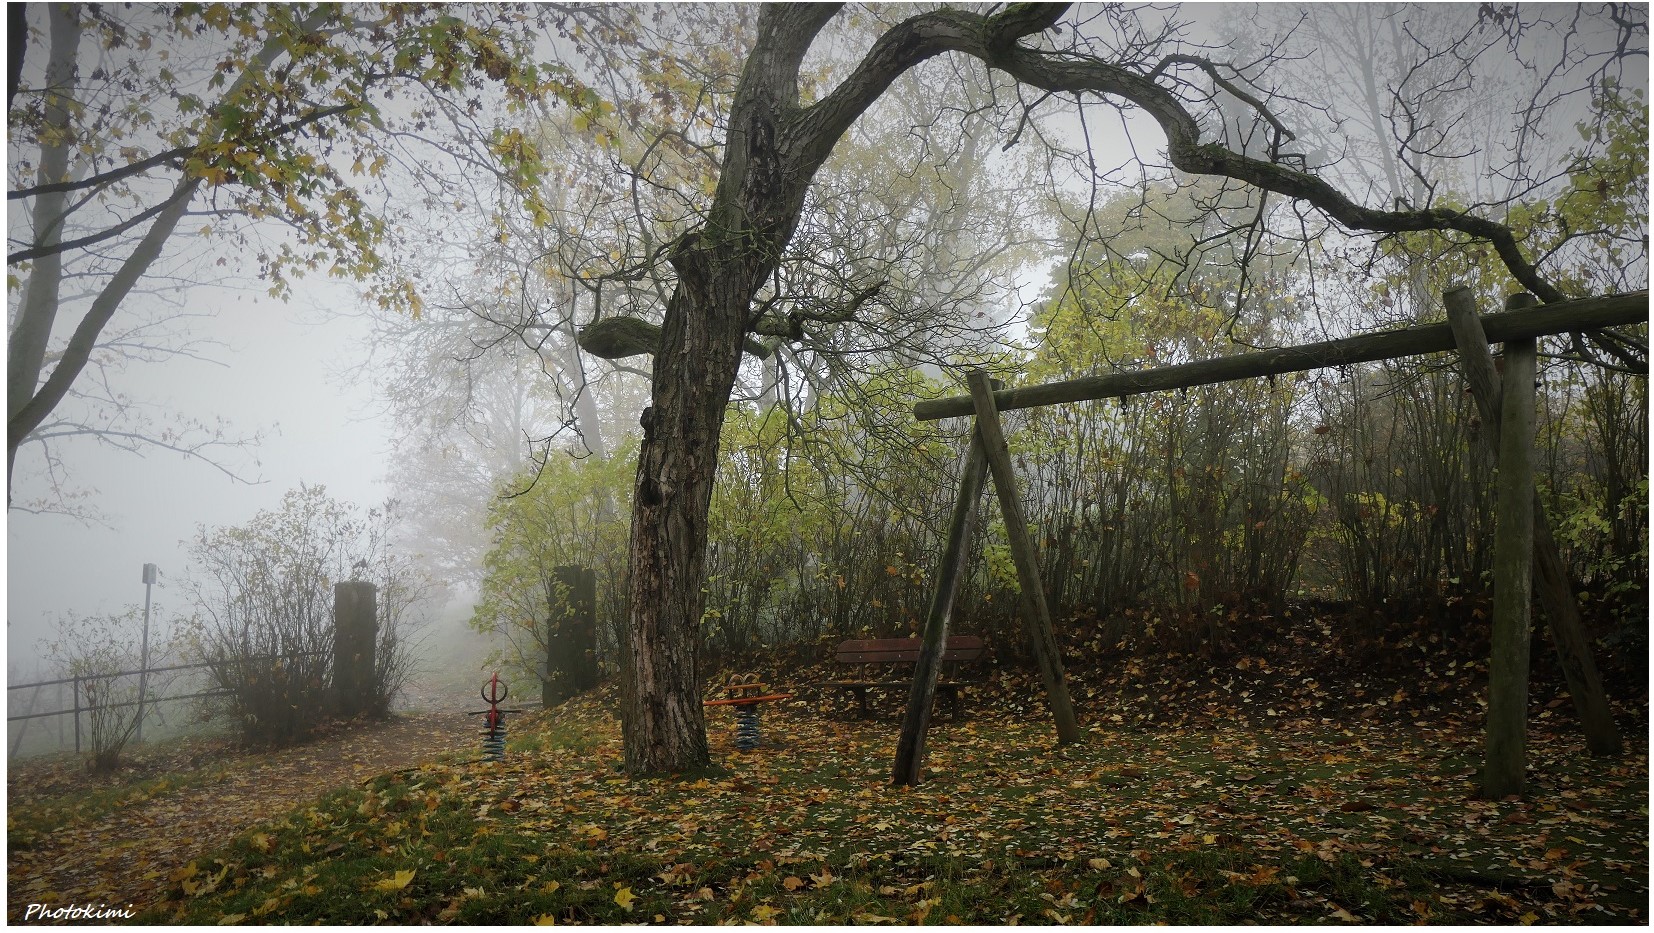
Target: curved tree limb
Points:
(994, 40)
(35, 252)
(1188, 154)
(79, 349)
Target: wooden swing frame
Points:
(1523, 544)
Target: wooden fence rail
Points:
(76, 681)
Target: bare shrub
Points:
(103, 652)
(263, 596)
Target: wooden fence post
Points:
(1556, 594)
(355, 640)
(956, 554)
(1505, 771)
(1036, 614)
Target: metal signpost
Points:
(150, 573)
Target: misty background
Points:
(284, 367)
(317, 380)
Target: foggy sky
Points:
(283, 366)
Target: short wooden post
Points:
(355, 642)
(571, 635)
(1507, 701)
(1036, 614)
(1556, 593)
(910, 748)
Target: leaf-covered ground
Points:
(1304, 770)
(1219, 824)
(75, 839)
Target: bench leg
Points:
(861, 699)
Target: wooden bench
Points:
(872, 659)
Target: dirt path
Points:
(123, 857)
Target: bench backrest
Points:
(905, 650)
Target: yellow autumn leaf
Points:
(270, 905)
(397, 881)
(764, 913)
(624, 897)
(545, 920)
(206, 885)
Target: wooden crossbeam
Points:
(1557, 318)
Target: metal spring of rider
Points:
(493, 739)
(746, 728)
(493, 733)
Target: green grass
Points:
(28, 821)
(1211, 826)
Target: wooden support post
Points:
(1556, 594)
(1036, 614)
(1505, 772)
(956, 554)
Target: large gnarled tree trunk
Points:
(719, 269)
(694, 372)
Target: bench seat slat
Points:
(906, 650)
(897, 684)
